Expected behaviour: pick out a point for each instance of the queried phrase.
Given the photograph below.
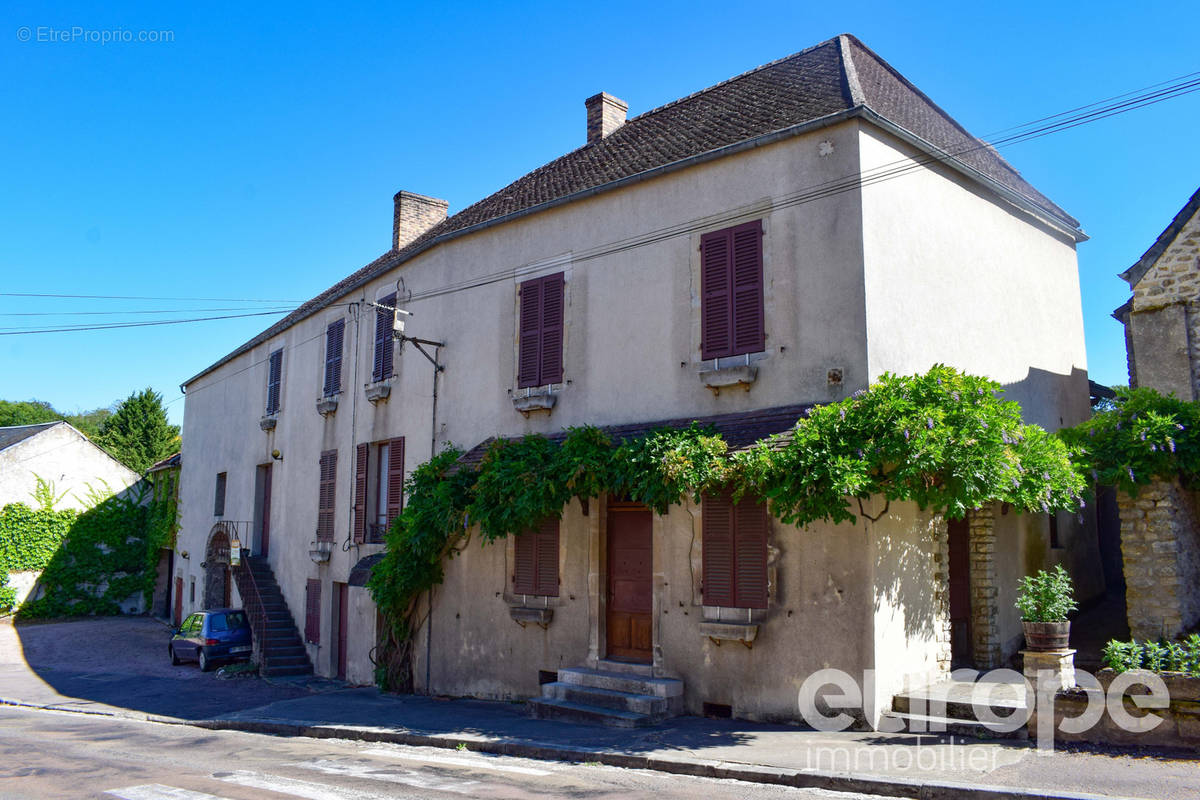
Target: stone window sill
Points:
(536, 616)
(535, 401)
(378, 391)
(327, 405)
(717, 378)
(720, 632)
(268, 422)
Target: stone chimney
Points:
(413, 215)
(605, 114)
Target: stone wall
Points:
(985, 593)
(1161, 549)
(941, 592)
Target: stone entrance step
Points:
(605, 697)
(963, 708)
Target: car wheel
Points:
(175, 662)
(205, 663)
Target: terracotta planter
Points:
(1045, 636)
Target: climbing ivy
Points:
(90, 561)
(944, 440)
(1143, 435)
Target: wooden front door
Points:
(630, 565)
(960, 593)
(341, 598)
(264, 539)
(178, 601)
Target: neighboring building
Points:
(167, 600)
(777, 240)
(61, 455)
(1162, 319)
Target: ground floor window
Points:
(734, 549)
(535, 566)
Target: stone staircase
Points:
(618, 695)
(954, 707)
(278, 647)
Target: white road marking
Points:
(322, 791)
(156, 791)
(483, 762)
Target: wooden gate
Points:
(629, 630)
(960, 593)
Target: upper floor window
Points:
(384, 341)
(326, 494)
(731, 288)
(535, 566)
(734, 551)
(274, 380)
(378, 488)
(219, 496)
(540, 346)
(335, 335)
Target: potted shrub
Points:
(1045, 600)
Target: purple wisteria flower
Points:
(929, 423)
(1130, 471)
(906, 434)
(842, 413)
(1171, 444)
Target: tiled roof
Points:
(18, 433)
(1135, 273)
(740, 430)
(840, 76)
(167, 463)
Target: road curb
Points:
(546, 751)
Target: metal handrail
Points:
(253, 604)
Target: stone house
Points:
(775, 241)
(1160, 527)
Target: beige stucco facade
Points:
(891, 277)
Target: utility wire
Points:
(114, 325)
(131, 297)
(119, 313)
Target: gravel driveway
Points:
(122, 662)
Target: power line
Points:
(133, 297)
(118, 313)
(114, 325)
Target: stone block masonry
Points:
(1160, 545)
(985, 590)
(941, 577)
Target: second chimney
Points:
(605, 114)
(413, 215)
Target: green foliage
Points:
(90, 561)
(1160, 656)
(138, 434)
(943, 439)
(1143, 436)
(44, 494)
(32, 412)
(1046, 596)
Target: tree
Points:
(138, 434)
(29, 412)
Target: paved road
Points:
(48, 755)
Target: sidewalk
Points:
(897, 765)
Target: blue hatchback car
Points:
(210, 637)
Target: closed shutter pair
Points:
(731, 287)
(274, 380)
(394, 481)
(381, 368)
(334, 338)
(540, 350)
(734, 551)
(326, 495)
(535, 567)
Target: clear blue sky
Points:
(256, 154)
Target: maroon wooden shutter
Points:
(716, 308)
(334, 337)
(360, 493)
(312, 611)
(546, 560)
(326, 495)
(551, 367)
(274, 378)
(395, 478)
(750, 553)
(382, 367)
(529, 356)
(717, 549)
(525, 564)
(747, 281)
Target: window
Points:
(334, 336)
(734, 549)
(384, 340)
(540, 344)
(274, 379)
(312, 611)
(326, 495)
(731, 288)
(219, 496)
(535, 567)
(378, 488)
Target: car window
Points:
(189, 624)
(235, 620)
(216, 622)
